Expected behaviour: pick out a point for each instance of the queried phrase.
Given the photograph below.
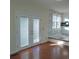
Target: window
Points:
(66, 28)
(35, 30)
(24, 37)
(56, 19)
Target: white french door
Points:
(35, 30)
(24, 31)
(29, 31)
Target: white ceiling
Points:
(60, 6)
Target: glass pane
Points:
(24, 31)
(54, 21)
(54, 18)
(35, 30)
(58, 24)
(66, 19)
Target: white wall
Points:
(12, 29)
(30, 10)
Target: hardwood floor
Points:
(44, 51)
